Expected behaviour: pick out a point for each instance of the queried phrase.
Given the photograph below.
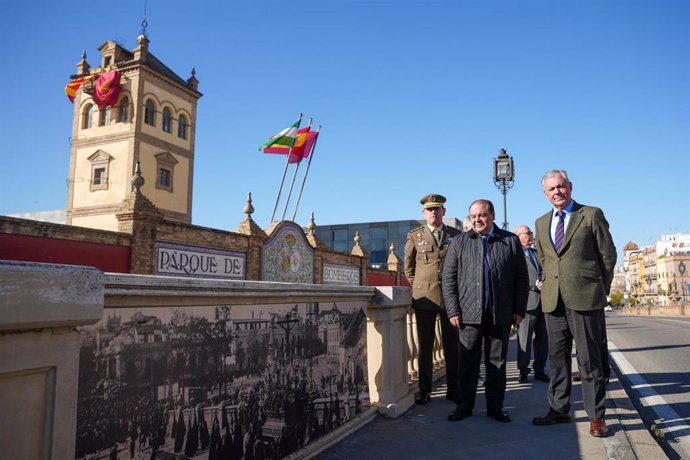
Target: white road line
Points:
(674, 320)
(658, 319)
(670, 422)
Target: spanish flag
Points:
(73, 86)
(299, 150)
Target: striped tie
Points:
(560, 234)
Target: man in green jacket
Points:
(577, 255)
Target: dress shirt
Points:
(554, 220)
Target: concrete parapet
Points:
(40, 306)
(387, 350)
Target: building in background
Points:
(657, 275)
(376, 237)
(151, 118)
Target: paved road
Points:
(652, 356)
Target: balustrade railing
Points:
(45, 308)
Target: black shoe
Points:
(499, 415)
(542, 377)
(553, 417)
(423, 399)
(459, 414)
(522, 378)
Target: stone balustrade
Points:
(41, 307)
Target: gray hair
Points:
(485, 202)
(554, 172)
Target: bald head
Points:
(525, 234)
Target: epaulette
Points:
(418, 229)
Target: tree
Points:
(616, 299)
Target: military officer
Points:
(425, 249)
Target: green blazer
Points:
(582, 270)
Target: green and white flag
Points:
(285, 138)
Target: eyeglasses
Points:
(525, 233)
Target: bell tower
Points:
(151, 119)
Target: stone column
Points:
(40, 307)
(387, 350)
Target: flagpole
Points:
(287, 162)
(294, 176)
(311, 155)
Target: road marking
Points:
(670, 422)
(674, 320)
(686, 322)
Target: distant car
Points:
(608, 308)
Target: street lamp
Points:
(504, 178)
(681, 270)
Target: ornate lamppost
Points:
(681, 270)
(504, 179)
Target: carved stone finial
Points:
(192, 81)
(312, 225)
(83, 67)
(358, 250)
(137, 179)
(393, 261)
(248, 208)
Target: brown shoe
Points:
(577, 377)
(597, 427)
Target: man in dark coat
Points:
(532, 330)
(485, 288)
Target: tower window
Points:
(123, 111)
(99, 177)
(167, 120)
(87, 120)
(100, 167)
(182, 127)
(165, 171)
(150, 113)
(105, 116)
(164, 177)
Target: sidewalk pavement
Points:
(425, 432)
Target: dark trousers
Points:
(534, 325)
(587, 328)
(495, 340)
(426, 333)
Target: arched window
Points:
(167, 120)
(88, 117)
(150, 113)
(182, 127)
(105, 117)
(123, 111)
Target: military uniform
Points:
(424, 256)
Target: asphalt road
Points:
(652, 359)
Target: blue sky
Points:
(413, 97)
